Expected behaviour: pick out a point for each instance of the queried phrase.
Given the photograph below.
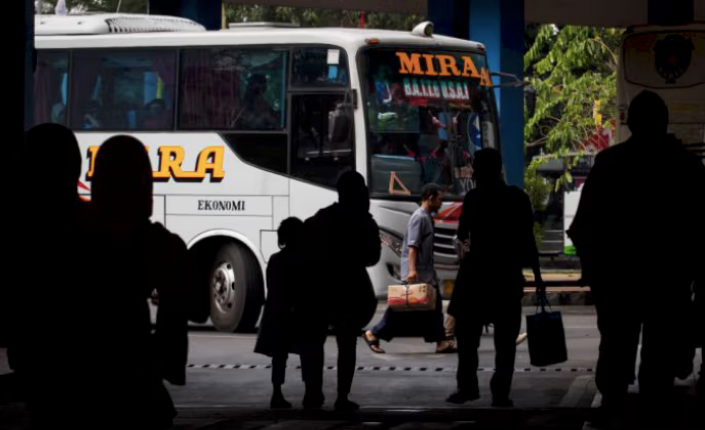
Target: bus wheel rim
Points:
(224, 288)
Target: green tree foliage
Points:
(569, 68)
(539, 189)
(307, 17)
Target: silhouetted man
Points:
(342, 241)
(498, 222)
(640, 242)
(48, 298)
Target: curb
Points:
(560, 297)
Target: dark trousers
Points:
(468, 331)
(661, 321)
(620, 329)
(431, 321)
(313, 360)
(279, 368)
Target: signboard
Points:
(442, 66)
(219, 205)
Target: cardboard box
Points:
(415, 297)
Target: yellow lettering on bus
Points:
(410, 64)
(470, 69)
(170, 160)
(485, 78)
(447, 63)
(430, 69)
(211, 159)
(92, 153)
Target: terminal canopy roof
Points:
(606, 13)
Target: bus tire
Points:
(236, 289)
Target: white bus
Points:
(671, 62)
(248, 126)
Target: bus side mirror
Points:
(515, 82)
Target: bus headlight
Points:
(391, 240)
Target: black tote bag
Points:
(546, 336)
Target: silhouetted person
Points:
(700, 321)
(497, 220)
(257, 113)
(640, 245)
(417, 266)
(275, 336)
(48, 219)
(342, 241)
(125, 362)
(157, 116)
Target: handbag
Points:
(546, 335)
(414, 297)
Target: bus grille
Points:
(443, 248)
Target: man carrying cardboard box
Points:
(417, 266)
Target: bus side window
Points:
(123, 90)
(314, 157)
(233, 89)
(241, 93)
(319, 67)
(50, 86)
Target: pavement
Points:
(228, 386)
(370, 419)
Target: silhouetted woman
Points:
(130, 257)
(55, 221)
(276, 328)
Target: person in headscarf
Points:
(343, 240)
(130, 256)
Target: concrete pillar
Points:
(699, 11)
(29, 61)
(17, 118)
(206, 12)
(671, 12)
(450, 17)
(499, 25)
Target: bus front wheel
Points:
(236, 289)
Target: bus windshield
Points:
(427, 113)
